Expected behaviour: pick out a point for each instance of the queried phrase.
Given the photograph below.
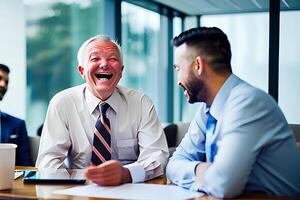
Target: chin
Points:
(191, 101)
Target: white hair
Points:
(98, 38)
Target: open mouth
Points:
(182, 87)
(185, 92)
(104, 76)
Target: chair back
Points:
(34, 142)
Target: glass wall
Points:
(190, 22)
(141, 45)
(178, 93)
(289, 65)
(55, 30)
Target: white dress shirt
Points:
(137, 138)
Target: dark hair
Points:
(4, 68)
(212, 44)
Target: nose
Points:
(2, 83)
(103, 63)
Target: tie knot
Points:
(103, 107)
(211, 119)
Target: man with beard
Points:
(239, 140)
(12, 129)
(110, 130)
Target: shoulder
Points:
(134, 97)
(68, 95)
(246, 102)
(247, 94)
(11, 119)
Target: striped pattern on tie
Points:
(101, 151)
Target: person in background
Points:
(110, 130)
(239, 140)
(12, 129)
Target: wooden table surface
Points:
(45, 191)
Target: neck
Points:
(103, 95)
(213, 89)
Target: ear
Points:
(122, 71)
(200, 65)
(81, 71)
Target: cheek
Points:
(117, 68)
(92, 67)
(181, 76)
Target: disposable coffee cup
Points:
(7, 165)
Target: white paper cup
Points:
(7, 165)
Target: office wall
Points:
(12, 53)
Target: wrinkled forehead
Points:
(106, 47)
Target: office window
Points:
(141, 45)
(289, 65)
(55, 30)
(190, 22)
(178, 93)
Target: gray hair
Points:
(98, 38)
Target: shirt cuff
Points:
(196, 186)
(137, 172)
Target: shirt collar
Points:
(93, 101)
(222, 95)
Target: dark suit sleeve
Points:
(23, 150)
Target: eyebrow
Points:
(108, 55)
(92, 54)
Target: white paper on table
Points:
(132, 191)
(18, 173)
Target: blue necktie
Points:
(210, 145)
(101, 144)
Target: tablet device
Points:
(54, 176)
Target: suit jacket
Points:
(13, 130)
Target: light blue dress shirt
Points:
(256, 149)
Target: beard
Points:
(196, 89)
(2, 93)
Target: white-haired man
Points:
(79, 119)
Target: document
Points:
(18, 173)
(141, 191)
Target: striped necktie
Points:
(101, 144)
(210, 145)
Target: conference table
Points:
(45, 191)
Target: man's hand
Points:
(109, 173)
(200, 170)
